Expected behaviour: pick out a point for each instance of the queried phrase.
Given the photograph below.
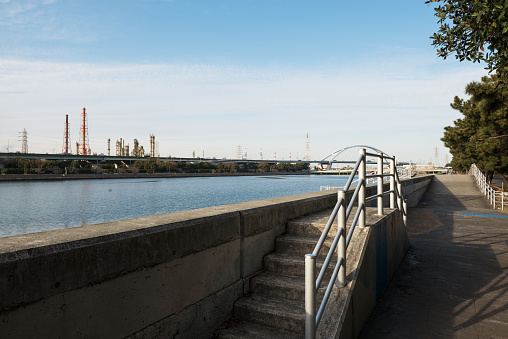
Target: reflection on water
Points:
(34, 206)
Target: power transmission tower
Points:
(307, 149)
(239, 152)
(24, 141)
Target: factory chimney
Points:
(84, 145)
(67, 141)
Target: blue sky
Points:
(208, 76)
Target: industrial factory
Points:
(83, 146)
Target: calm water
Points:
(35, 206)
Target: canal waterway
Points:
(35, 206)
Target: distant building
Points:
(122, 150)
(137, 151)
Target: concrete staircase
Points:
(275, 308)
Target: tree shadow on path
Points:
(453, 283)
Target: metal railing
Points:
(353, 184)
(313, 314)
(496, 198)
(402, 173)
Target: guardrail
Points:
(313, 314)
(496, 198)
(405, 172)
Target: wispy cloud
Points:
(215, 108)
(21, 11)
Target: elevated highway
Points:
(129, 159)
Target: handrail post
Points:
(380, 185)
(310, 296)
(392, 183)
(361, 193)
(404, 213)
(400, 198)
(341, 278)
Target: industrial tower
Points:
(84, 144)
(24, 141)
(152, 145)
(66, 149)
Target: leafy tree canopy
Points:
(475, 30)
(481, 136)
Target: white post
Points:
(404, 209)
(392, 182)
(400, 199)
(310, 296)
(341, 277)
(380, 185)
(361, 193)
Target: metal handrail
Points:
(493, 196)
(313, 314)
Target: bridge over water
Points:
(327, 162)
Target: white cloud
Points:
(21, 11)
(217, 108)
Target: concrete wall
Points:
(413, 189)
(162, 276)
(373, 255)
(173, 275)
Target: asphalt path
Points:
(453, 283)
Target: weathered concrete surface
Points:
(146, 277)
(373, 256)
(453, 282)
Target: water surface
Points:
(34, 206)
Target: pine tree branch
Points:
(496, 137)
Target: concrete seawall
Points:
(161, 276)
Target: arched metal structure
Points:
(337, 153)
(333, 156)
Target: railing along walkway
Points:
(453, 283)
(498, 199)
(343, 211)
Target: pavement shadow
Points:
(453, 282)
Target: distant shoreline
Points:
(33, 177)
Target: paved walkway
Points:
(454, 281)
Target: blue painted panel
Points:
(381, 259)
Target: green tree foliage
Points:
(263, 167)
(148, 165)
(475, 30)
(480, 137)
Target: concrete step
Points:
(294, 265)
(310, 226)
(283, 314)
(276, 307)
(247, 330)
(301, 245)
(268, 284)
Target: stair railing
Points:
(495, 197)
(342, 211)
